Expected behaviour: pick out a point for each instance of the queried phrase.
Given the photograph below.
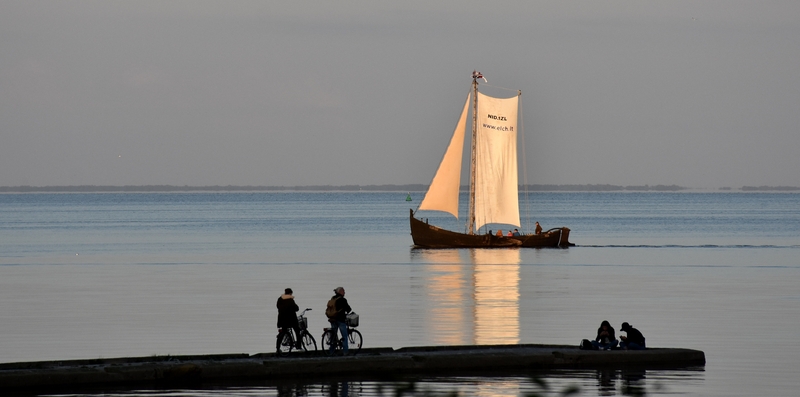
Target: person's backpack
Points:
(586, 344)
(330, 310)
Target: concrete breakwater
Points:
(377, 362)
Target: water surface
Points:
(110, 275)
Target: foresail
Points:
(443, 192)
(496, 191)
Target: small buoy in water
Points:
(408, 198)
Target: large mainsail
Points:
(443, 192)
(496, 191)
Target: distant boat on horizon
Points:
(493, 187)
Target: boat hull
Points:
(429, 236)
(556, 237)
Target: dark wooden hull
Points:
(556, 237)
(430, 236)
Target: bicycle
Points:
(354, 338)
(285, 341)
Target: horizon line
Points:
(376, 188)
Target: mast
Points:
(471, 214)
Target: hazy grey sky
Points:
(701, 94)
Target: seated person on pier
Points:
(634, 340)
(605, 339)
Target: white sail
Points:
(443, 192)
(496, 190)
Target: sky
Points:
(700, 94)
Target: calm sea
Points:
(111, 275)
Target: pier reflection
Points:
(606, 382)
(472, 295)
(341, 389)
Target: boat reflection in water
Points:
(496, 294)
(447, 300)
(472, 295)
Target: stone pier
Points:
(376, 362)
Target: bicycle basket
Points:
(352, 319)
(303, 322)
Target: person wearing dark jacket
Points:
(605, 339)
(287, 315)
(634, 340)
(338, 321)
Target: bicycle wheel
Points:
(326, 343)
(354, 340)
(309, 344)
(284, 343)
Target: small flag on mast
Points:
(478, 75)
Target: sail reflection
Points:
(499, 388)
(496, 292)
(472, 295)
(448, 296)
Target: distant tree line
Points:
(354, 188)
(214, 188)
(603, 188)
(766, 188)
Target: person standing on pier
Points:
(336, 311)
(287, 315)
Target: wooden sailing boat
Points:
(493, 189)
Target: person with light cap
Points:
(634, 340)
(339, 318)
(287, 315)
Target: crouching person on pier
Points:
(634, 340)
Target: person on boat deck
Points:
(339, 320)
(499, 233)
(509, 233)
(516, 232)
(605, 339)
(287, 317)
(538, 229)
(634, 340)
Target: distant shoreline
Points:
(367, 188)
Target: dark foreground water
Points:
(111, 275)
